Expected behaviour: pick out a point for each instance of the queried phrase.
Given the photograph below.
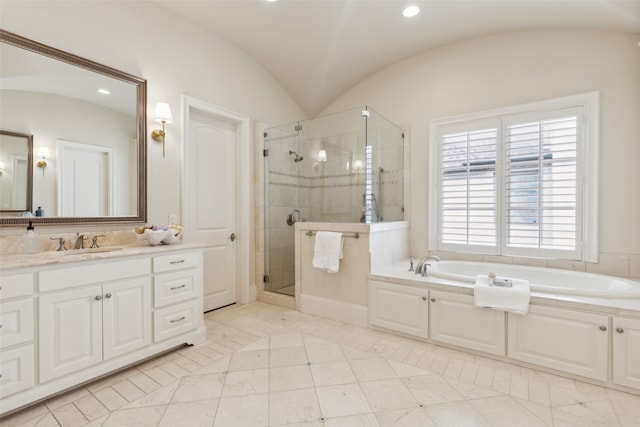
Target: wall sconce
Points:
(322, 156)
(163, 115)
(1, 168)
(43, 153)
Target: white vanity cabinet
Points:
(399, 308)
(16, 333)
(84, 325)
(626, 352)
(457, 321)
(95, 314)
(562, 339)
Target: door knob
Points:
(232, 237)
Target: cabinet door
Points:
(16, 322)
(456, 320)
(16, 370)
(126, 316)
(626, 352)
(399, 308)
(566, 340)
(70, 327)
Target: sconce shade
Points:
(163, 113)
(322, 156)
(357, 165)
(1, 165)
(43, 152)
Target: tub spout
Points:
(422, 266)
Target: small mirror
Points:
(16, 164)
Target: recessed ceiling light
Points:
(410, 11)
(104, 91)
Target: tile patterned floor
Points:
(264, 365)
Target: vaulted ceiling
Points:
(318, 49)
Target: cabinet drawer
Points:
(177, 261)
(171, 321)
(174, 287)
(16, 370)
(16, 285)
(16, 322)
(64, 278)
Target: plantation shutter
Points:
(468, 187)
(541, 181)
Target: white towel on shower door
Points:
(327, 251)
(514, 299)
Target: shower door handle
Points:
(232, 237)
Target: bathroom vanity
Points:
(71, 317)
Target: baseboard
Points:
(336, 310)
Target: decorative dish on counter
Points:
(157, 234)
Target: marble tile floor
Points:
(264, 365)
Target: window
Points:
(518, 181)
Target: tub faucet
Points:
(422, 266)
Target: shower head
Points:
(297, 157)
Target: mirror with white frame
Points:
(87, 124)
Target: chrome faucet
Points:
(422, 266)
(80, 241)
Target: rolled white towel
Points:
(514, 299)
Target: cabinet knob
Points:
(433, 300)
(98, 297)
(603, 328)
(108, 295)
(619, 330)
(424, 298)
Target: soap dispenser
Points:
(30, 240)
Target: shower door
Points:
(284, 163)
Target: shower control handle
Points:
(232, 237)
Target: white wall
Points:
(175, 57)
(516, 68)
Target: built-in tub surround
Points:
(343, 295)
(589, 337)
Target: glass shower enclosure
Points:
(346, 167)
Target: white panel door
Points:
(70, 327)
(399, 308)
(126, 316)
(456, 320)
(566, 340)
(84, 184)
(626, 352)
(210, 215)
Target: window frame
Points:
(587, 244)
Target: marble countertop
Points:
(399, 273)
(45, 258)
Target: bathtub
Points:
(546, 280)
